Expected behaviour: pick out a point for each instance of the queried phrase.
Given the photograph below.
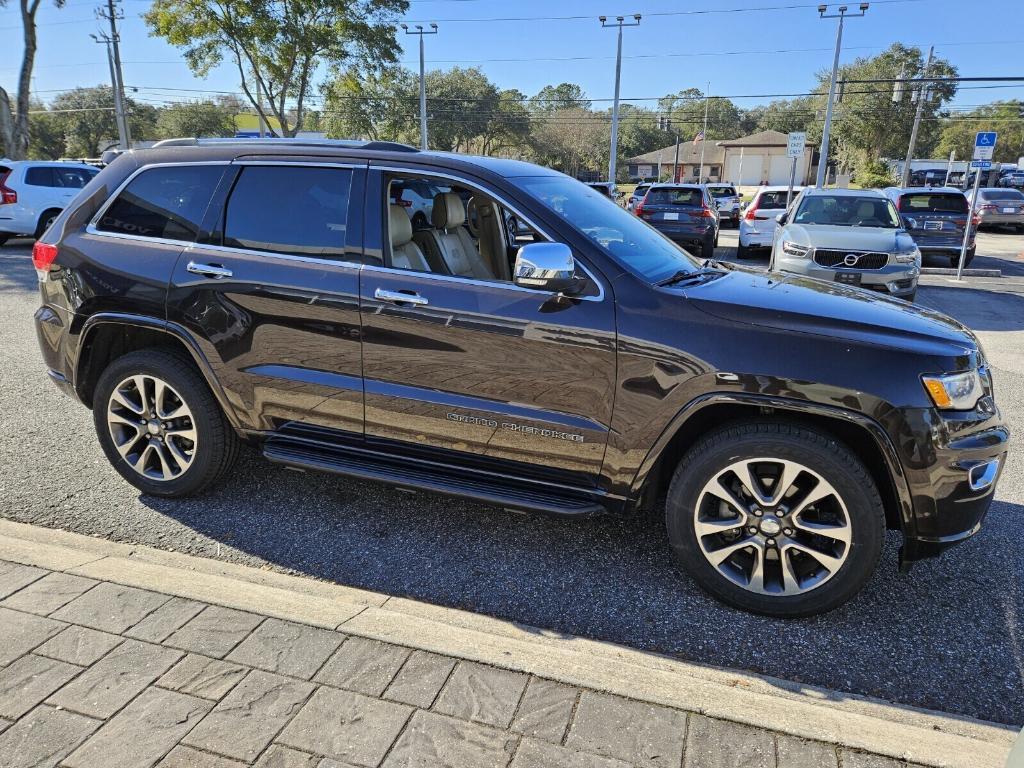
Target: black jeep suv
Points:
(532, 345)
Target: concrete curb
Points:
(900, 732)
(966, 273)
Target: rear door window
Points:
(722, 191)
(72, 178)
(933, 203)
(295, 210)
(773, 200)
(40, 176)
(163, 202)
(689, 197)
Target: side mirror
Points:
(781, 218)
(547, 267)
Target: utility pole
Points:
(922, 97)
(665, 124)
(423, 83)
(704, 134)
(112, 15)
(620, 23)
(122, 134)
(842, 15)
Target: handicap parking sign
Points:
(984, 145)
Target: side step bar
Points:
(435, 479)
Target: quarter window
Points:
(40, 177)
(167, 202)
(293, 210)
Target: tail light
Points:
(7, 195)
(987, 207)
(639, 210)
(751, 210)
(703, 213)
(975, 220)
(43, 257)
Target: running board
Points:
(442, 480)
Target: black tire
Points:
(4, 238)
(816, 451)
(217, 445)
(954, 261)
(45, 221)
(911, 298)
(707, 248)
(742, 252)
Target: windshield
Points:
(847, 211)
(933, 203)
(617, 232)
(722, 191)
(691, 197)
(1002, 194)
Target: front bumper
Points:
(894, 278)
(953, 463)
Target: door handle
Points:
(216, 271)
(397, 297)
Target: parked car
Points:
(637, 195)
(1012, 179)
(782, 422)
(849, 236)
(727, 199)
(33, 192)
(936, 217)
(998, 206)
(606, 188)
(685, 213)
(927, 177)
(758, 225)
(417, 197)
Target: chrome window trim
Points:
(309, 163)
(92, 229)
(473, 281)
(319, 260)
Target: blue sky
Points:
(734, 50)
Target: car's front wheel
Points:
(160, 426)
(775, 518)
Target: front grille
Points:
(840, 259)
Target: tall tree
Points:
(86, 116)
(14, 120)
(196, 118)
(379, 105)
(1003, 116)
(686, 109)
(46, 134)
(552, 98)
(783, 115)
(571, 140)
(277, 45)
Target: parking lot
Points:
(949, 636)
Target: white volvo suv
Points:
(34, 192)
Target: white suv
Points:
(33, 193)
(757, 226)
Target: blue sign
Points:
(985, 139)
(247, 134)
(986, 164)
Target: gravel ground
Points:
(950, 636)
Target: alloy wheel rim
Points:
(152, 427)
(773, 526)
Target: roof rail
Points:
(390, 146)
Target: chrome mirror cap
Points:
(546, 266)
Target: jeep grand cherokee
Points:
(202, 293)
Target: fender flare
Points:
(887, 449)
(174, 330)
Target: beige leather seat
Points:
(405, 254)
(451, 242)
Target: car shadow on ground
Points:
(613, 579)
(977, 308)
(16, 270)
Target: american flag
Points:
(698, 137)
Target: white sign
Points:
(797, 141)
(984, 145)
(645, 171)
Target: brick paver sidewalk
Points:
(96, 674)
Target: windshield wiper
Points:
(698, 275)
(720, 264)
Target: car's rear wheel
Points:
(707, 246)
(776, 519)
(160, 426)
(742, 251)
(4, 238)
(45, 221)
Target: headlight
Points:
(907, 257)
(954, 391)
(793, 249)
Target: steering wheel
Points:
(473, 218)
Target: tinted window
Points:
(1001, 194)
(933, 203)
(295, 210)
(772, 200)
(619, 233)
(691, 197)
(722, 191)
(163, 202)
(73, 178)
(847, 210)
(40, 177)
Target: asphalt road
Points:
(950, 636)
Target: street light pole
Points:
(619, 23)
(704, 136)
(922, 96)
(423, 83)
(842, 15)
